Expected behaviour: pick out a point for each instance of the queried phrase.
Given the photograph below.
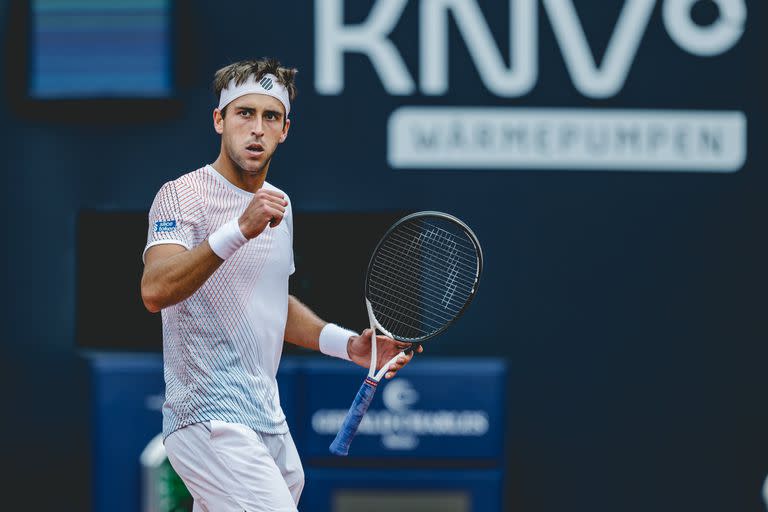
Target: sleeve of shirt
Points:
(175, 218)
(289, 222)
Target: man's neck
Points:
(246, 181)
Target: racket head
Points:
(422, 275)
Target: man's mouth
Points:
(255, 149)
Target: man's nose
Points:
(257, 127)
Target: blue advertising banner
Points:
(433, 405)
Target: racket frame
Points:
(364, 397)
(372, 317)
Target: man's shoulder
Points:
(193, 183)
(195, 179)
(187, 186)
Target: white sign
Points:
(568, 139)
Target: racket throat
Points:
(374, 345)
(374, 323)
(372, 373)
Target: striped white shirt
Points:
(222, 345)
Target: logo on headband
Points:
(266, 83)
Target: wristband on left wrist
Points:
(334, 341)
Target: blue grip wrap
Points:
(340, 445)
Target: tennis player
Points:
(217, 262)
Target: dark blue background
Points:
(630, 306)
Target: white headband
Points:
(267, 85)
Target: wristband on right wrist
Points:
(227, 239)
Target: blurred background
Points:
(608, 154)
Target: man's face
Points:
(253, 127)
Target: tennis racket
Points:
(422, 276)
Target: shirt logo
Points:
(164, 226)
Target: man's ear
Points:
(218, 121)
(284, 135)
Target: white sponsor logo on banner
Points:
(525, 138)
(672, 142)
(399, 426)
(334, 38)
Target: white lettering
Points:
(411, 423)
(523, 42)
(705, 41)
(569, 139)
(589, 79)
(333, 39)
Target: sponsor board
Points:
(462, 137)
(438, 403)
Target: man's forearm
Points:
(303, 325)
(171, 280)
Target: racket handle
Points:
(364, 397)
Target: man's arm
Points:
(172, 273)
(303, 328)
(303, 325)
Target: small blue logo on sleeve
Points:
(164, 226)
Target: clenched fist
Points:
(266, 207)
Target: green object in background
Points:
(162, 488)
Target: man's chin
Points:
(252, 167)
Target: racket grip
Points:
(363, 399)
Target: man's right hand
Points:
(266, 207)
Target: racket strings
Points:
(467, 265)
(439, 255)
(388, 266)
(395, 309)
(430, 255)
(442, 313)
(429, 294)
(407, 322)
(410, 241)
(421, 278)
(397, 313)
(457, 240)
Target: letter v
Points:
(607, 80)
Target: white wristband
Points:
(227, 239)
(334, 341)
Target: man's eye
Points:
(245, 113)
(271, 116)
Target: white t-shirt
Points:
(222, 345)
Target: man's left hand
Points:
(359, 350)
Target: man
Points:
(217, 262)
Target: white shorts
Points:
(229, 467)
